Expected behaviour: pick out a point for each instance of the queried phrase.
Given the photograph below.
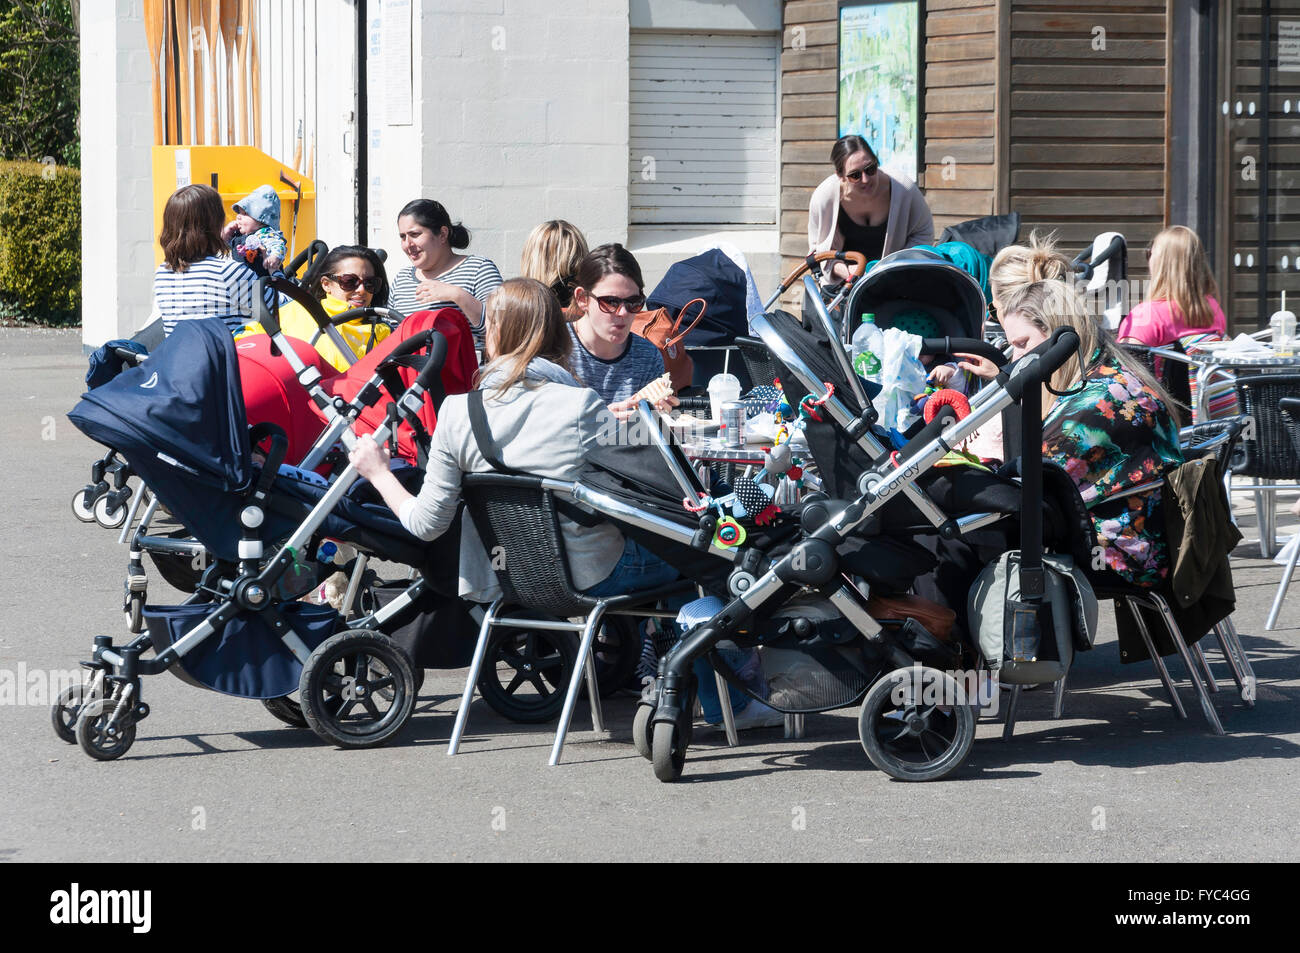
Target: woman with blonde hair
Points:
(1106, 421)
(1018, 265)
(551, 255)
(1182, 307)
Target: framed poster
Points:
(879, 91)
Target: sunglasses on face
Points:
(610, 304)
(864, 173)
(349, 282)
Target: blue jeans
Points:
(638, 568)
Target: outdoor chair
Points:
(1170, 366)
(518, 517)
(1267, 451)
(758, 361)
(1289, 410)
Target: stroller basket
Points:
(245, 658)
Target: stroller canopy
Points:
(183, 408)
(918, 279)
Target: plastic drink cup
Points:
(722, 388)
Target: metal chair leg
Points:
(1058, 696)
(475, 666)
(794, 727)
(728, 716)
(1009, 726)
(1283, 586)
(1260, 518)
(1233, 641)
(1201, 660)
(1161, 670)
(1207, 706)
(1228, 655)
(580, 668)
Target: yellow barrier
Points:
(238, 170)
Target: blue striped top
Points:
(212, 287)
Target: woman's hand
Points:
(431, 290)
(979, 366)
(625, 409)
(369, 458)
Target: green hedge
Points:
(40, 242)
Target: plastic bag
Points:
(903, 377)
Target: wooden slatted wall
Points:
(961, 70)
(1087, 124)
(1242, 264)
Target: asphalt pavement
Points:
(210, 777)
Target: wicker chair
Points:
(1289, 410)
(517, 518)
(1267, 452)
(758, 361)
(1170, 367)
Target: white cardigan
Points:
(910, 222)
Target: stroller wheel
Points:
(79, 508)
(525, 673)
(97, 738)
(357, 690)
(643, 731)
(287, 710)
(668, 750)
(109, 519)
(916, 724)
(66, 709)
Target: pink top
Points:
(1159, 323)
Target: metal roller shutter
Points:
(703, 140)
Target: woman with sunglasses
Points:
(607, 356)
(862, 208)
(349, 277)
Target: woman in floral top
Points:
(1109, 424)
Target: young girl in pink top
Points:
(1182, 308)
(1182, 302)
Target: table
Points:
(1211, 362)
(702, 453)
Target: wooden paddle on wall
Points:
(169, 72)
(183, 44)
(153, 31)
(241, 74)
(255, 96)
(229, 23)
(210, 11)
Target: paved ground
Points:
(216, 778)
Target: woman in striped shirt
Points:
(198, 278)
(438, 277)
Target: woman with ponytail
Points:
(551, 255)
(438, 277)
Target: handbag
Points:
(663, 332)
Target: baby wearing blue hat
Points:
(254, 236)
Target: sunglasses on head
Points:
(350, 282)
(610, 304)
(865, 172)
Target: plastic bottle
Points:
(868, 347)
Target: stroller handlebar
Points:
(951, 345)
(386, 315)
(1084, 267)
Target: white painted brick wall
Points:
(116, 187)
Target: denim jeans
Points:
(638, 568)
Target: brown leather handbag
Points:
(663, 332)
(937, 619)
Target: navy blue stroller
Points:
(178, 421)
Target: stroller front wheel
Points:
(916, 724)
(668, 750)
(106, 517)
(357, 690)
(79, 508)
(100, 739)
(643, 731)
(286, 710)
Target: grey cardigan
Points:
(910, 222)
(546, 429)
